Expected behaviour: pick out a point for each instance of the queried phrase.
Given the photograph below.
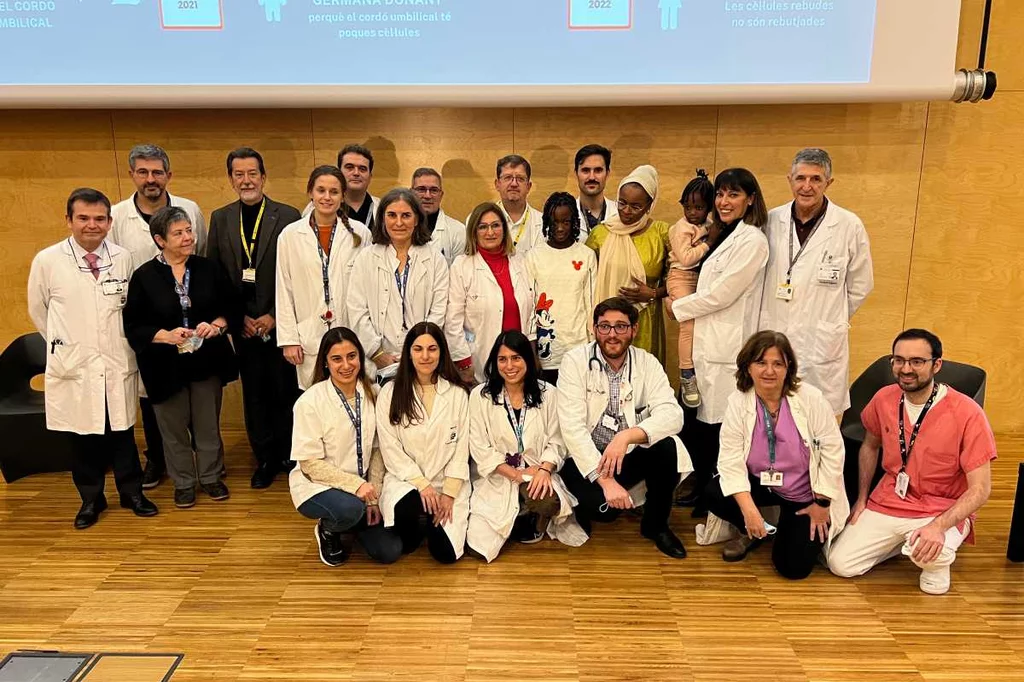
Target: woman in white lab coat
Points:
(489, 292)
(725, 305)
(423, 428)
(398, 281)
(314, 261)
(340, 472)
(517, 447)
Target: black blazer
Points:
(224, 244)
(152, 305)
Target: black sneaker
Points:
(524, 530)
(153, 474)
(332, 551)
(217, 491)
(184, 498)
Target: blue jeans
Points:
(343, 512)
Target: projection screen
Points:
(201, 53)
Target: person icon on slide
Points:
(273, 9)
(669, 14)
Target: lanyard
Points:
(522, 225)
(357, 421)
(325, 259)
(181, 290)
(518, 425)
(248, 246)
(906, 449)
(402, 281)
(770, 430)
(793, 259)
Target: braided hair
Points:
(335, 172)
(702, 187)
(557, 200)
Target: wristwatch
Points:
(823, 502)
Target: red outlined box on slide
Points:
(169, 23)
(586, 10)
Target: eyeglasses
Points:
(619, 328)
(915, 363)
(637, 208)
(145, 173)
(509, 179)
(431, 191)
(492, 227)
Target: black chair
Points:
(967, 379)
(28, 447)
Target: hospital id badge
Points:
(828, 274)
(112, 287)
(609, 422)
(771, 479)
(249, 275)
(784, 292)
(902, 483)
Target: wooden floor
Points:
(238, 588)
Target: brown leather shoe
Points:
(738, 548)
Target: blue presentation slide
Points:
(435, 42)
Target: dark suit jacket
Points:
(225, 245)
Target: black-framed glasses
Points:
(915, 363)
(619, 328)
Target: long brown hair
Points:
(404, 409)
(335, 172)
(330, 339)
(472, 234)
(754, 350)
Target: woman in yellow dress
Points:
(632, 249)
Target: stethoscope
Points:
(600, 365)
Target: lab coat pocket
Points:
(66, 361)
(724, 341)
(829, 343)
(311, 330)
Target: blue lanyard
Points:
(770, 430)
(402, 282)
(183, 299)
(518, 425)
(325, 258)
(357, 422)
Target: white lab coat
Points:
(830, 281)
(374, 203)
(494, 505)
(434, 449)
(128, 230)
(90, 368)
(300, 290)
(817, 425)
(475, 308)
(645, 398)
(372, 286)
(611, 210)
(449, 237)
(724, 309)
(527, 232)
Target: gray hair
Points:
(162, 220)
(425, 170)
(148, 152)
(812, 156)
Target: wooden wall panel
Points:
(967, 273)
(876, 151)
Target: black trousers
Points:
(93, 454)
(269, 393)
(703, 444)
(409, 517)
(151, 431)
(793, 552)
(656, 465)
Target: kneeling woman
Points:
(423, 427)
(516, 444)
(340, 475)
(780, 446)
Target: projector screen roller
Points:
(480, 52)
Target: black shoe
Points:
(217, 491)
(153, 474)
(668, 543)
(263, 476)
(332, 551)
(90, 513)
(184, 498)
(524, 530)
(287, 465)
(139, 505)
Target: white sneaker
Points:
(935, 580)
(690, 392)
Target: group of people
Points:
(421, 378)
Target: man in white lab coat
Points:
(592, 165)
(446, 233)
(76, 291)
(619, 419)
(513, 183)
(819, 273)
(149, 169)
